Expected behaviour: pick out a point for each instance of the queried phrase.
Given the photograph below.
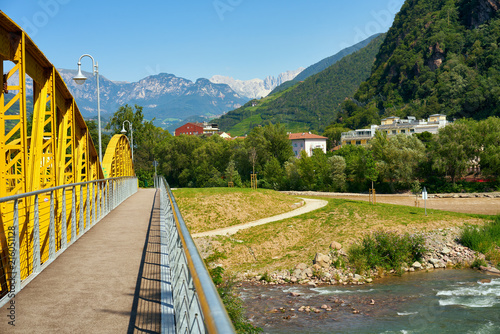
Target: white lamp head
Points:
(123, 129)
(80, 78)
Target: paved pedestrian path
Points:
(310, 205)
(108, 281)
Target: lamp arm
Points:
(95, 66)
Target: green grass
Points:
(484, 239)
(388, 250)
(283, 244)
(243, 127)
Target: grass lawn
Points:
(208, 209)
(283, 244)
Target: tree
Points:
(399, 156)
(456, 148)
(337, 169)
(334, 132)
(273, 174)
(94, 134)
(232, 174)
(488, 131)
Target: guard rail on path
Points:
(40, 225)
(190, 301)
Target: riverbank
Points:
(442, 252)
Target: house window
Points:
(295, 145)
(403, 131)
(412, 130)
(301, 145)
(394, 132)
(358, 142)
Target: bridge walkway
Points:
(108, 281)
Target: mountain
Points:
(310, 105)
(323, 64)
(256, 88)
(438, 57)
(167, 98)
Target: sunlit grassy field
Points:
(283, 244)
(208, 209)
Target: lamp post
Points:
(131, 135)
(80, 80)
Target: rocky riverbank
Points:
(330, 267)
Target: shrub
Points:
(482, 239)
(387, 250)
(231, 300)
(478, 262)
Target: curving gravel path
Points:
(310, 205)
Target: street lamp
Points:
(80, 80)
(131, 135)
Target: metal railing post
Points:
(64, 232)
(87, 225)
(93, 204)
(80, 221)
(52, 228)
(16, 251)
(73, 214)
(36, 237)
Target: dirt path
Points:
(486, 206)
(310, 205)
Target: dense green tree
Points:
(456, 147)
(488, 132)
(337, 168)
(398, 156)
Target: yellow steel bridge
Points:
(52, 150)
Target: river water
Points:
(441, 301)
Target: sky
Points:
(243, 39)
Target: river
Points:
(441, 301)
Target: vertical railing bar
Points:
(52, 227)
(93, 204)
(36, 237)
(64, 232)
(73, 214)
(87, 199)
(80, 221)
(16, 261)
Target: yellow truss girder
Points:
(56, 149)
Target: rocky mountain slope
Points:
(256, 88)
(438, 57)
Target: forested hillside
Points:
(440, 56)
(323, 64)
(311, 104)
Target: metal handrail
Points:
(101, 196)
(207, 300)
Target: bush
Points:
(482, 239)
(387, 250)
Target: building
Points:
(394, 126)
(306, 142)
(196, 128)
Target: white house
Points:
(306, 141)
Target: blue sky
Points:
(244, 39)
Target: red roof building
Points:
(189, 129)
(306, 141)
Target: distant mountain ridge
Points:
(256, 88)
(167, 98)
